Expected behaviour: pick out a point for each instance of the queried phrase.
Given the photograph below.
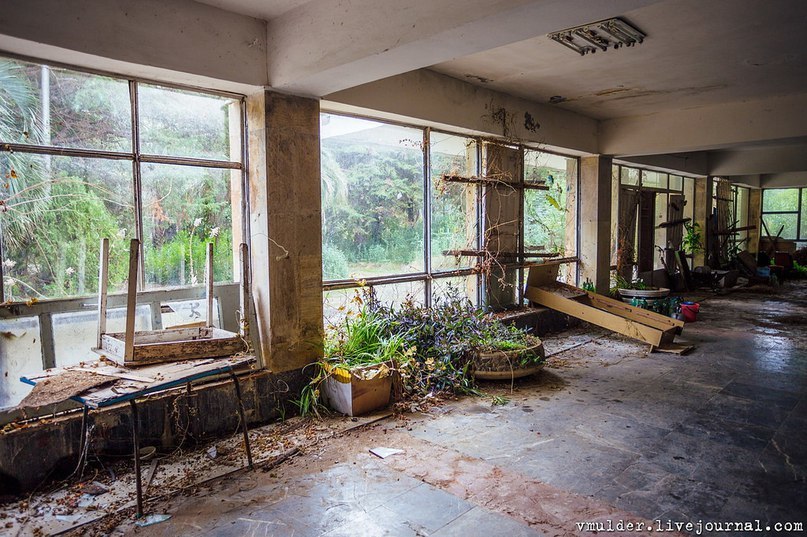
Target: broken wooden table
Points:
(147, 380)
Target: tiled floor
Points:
(607, 431)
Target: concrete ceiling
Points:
(696, 54)
(260, 9)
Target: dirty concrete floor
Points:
(606, 431)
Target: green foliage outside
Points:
(545, 210)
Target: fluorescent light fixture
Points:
(611, 33)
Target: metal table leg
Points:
(136, 439)
(82, 446)
(243, 418)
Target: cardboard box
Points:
(357, 391)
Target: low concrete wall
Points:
(48, 450)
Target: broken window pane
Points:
(454, 217)
(44, 105)
(372, 198)
(184, 208)
(189, 124)
(54, 212)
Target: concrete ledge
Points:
(540, 320)
(48, 449)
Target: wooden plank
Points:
(103, 286)
(610, 321)
(131, 299)
(650, 318)
(674, 348)
(209, 283)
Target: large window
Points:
(784, 213)
(402, 210)
(649, 208)
(86, 156)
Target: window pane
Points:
(20, 354)
(775, 221)
(781, 199)
(336, 305)
(464, 286)
(454, 222)
(544, 167)
(396, 293)
(545, 211)
(803, 234)
(189, 124)
(689, 197)
(52, 106)
(372, 198)
(652, 179)
(56, 210)
(188, 312)
(676, 182)
(630, 176)
(660, 234)
(74, 333)
(184, 208)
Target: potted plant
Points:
(507, 352)
(355, 377)
(637, 289)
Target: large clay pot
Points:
(502, 365)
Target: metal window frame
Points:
(45, 309)
(797, 212)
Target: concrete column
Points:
(286, 228)
(754, 219)
(501, 212)
(595, 221)
(701, 212)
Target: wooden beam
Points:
(610, 321)
(103, 287)
(448, 178)
(209, 283)
(131, 300)
(651, 318)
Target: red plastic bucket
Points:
(690, 311)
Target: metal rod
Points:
(243, 252)
(103, 286)
(243, 418)
(64, 152)
(136, 442)
(188, 161)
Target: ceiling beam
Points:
(429, 98)
(707, 128)
(329, 45)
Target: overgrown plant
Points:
(692, 241)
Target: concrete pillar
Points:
(502, 227)
(286, 228)
(754, 219)
(701, 212)
(595, 221)
(569, 270)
